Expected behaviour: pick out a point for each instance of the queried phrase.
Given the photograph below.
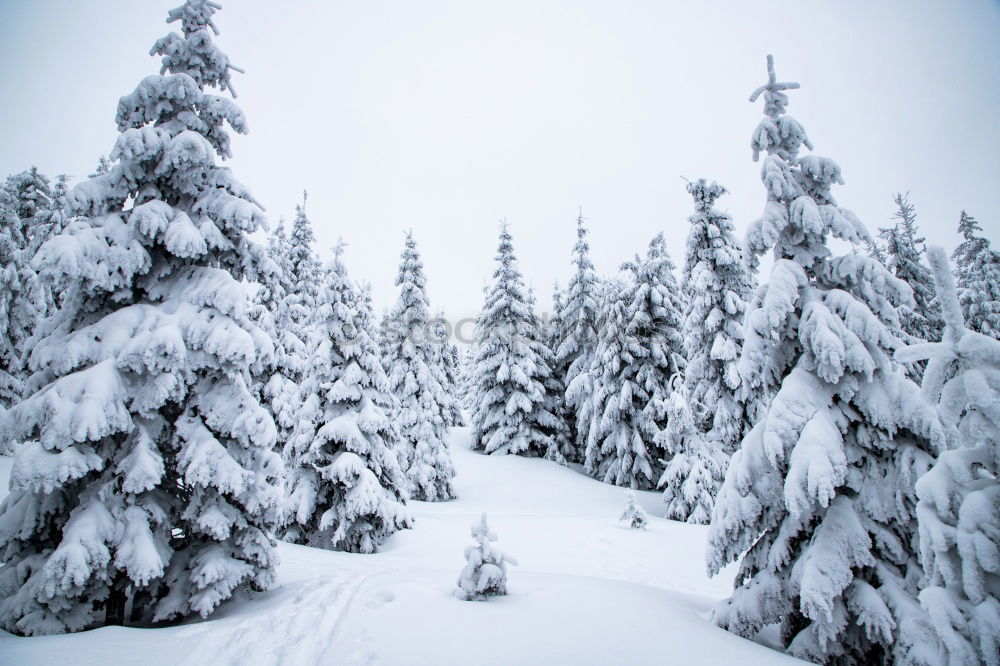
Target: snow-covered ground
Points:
(587, 590)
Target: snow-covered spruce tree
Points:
(452, 369)
(415, 367)
(485, 572)
(905, 260)
(19, 311)
(280, 378)
(554, 332)
(447, 355)
(697, 462)
(303, 274)
(42, 210)
(717, 285)
(957, 512)
(103, 166)
(467, 381)
(574, 350)
(58, 216)
(634, 515)
(558, 428)
(819, 499)
(977, 269)
(33, 198)
(346, 489)
(636, 355)
(147, 479)
(510, 405)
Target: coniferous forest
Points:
(221, 443)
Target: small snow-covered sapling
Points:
(634, 514)
(485, 572)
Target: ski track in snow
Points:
(308, 623)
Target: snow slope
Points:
(587, 591)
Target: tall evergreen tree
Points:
(300, 251)
(303, 269)
(959, 496)
(346, 489)
(635, 358)
(905, 251)
(447, 355)
(278, 381)
(819, 499)
(696, 464)
(147, 479)
(717, 286)
(554, 329)
(575, 349)
(32, 194)
(18, 310)
(39, 218)
(414, 362)
(977, 269)
(509, 400)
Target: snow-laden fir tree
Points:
(638, 351)
(485, 571)
(19, 309)
(554, 332)
(960, 495)
(447, 355)
(717, 285)
(905, 252)
(42, 210)
(558, 428)
(509, 402)
(300, 273)
(303, 272)
(280, 379)
(414, 363)
(58, 217)
(819, 500)
(697, 461)
(147, 478)
(103, 166)
(32, 194)
(466, 377)
(346, 489)
(977, 272)
(452, 371)
(634, 515)
(574, 350)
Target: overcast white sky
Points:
(444, 117)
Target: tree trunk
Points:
(114, 606)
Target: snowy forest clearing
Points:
(581, 575)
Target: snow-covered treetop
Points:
(767, 137)
(705, 194)
(184, 208)
(580, 313)
(411, 280)
(31, 192)
(301, 240)
(800, 209)
(195, 54)
(775, 101)
(508, 299)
